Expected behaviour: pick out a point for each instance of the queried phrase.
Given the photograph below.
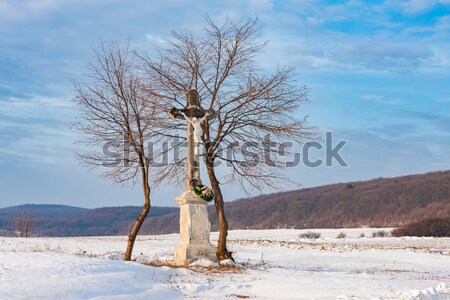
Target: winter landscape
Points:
(254, 149)
(272, 264)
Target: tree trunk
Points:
(139, 221)
(222, 252)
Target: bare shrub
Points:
(24, 223)
(349, 186)
(309, 235)
(436, 227)
(381, 233)
(341, 235)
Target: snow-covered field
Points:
(275, 264)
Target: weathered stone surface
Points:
(189, 197)
(186, 254)
(194, 230)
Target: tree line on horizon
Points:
(389, 202)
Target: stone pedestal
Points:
(194, 230)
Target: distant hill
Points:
(61, 220)
(382, 202)
(43, 210)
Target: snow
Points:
(205, 263)
(270, 264)
(430, 293)
(36, 275)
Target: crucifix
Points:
(195, 115)
(194, 223)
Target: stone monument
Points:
(194, 223)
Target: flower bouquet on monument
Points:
(204, 192)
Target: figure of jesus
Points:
(196, 136)
(195, 115)
(196, 125)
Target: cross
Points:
(195, 115)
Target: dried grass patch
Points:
(209, 269)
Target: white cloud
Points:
(360, 37)
(443, 23)
(338, 51)
(261, 4)
(36, 129)
(418, 6)
(35, 106)
(440, 59)
(155, 38)
(17, 10)
(383, 99)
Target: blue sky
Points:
(378, 73)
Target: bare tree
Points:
(250, 106)
(24, 223)
(119, 115)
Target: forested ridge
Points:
(383, 202)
